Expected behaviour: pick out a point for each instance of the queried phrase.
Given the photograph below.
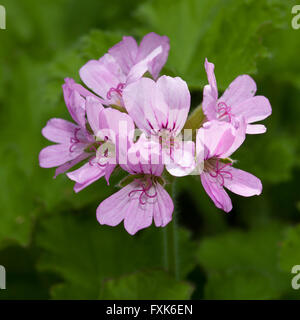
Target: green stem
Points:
(171, 239)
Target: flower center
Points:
(167, 140)
(144, 186)
(104, 151)
(224, 112)
(118, 91)
(217, 170)
(74, 140)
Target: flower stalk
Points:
(171, 257)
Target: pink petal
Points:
(112, 210)
(163, 207)
(146, 105)
(68, 165)
(137, 71)
(177, 97)
(243, 183)
(138, 216)
(256, 129)
(125, 53)
(100, 76)
(58, 154)
(239, 138)
(148, 44)
(209, 103)
(253, 109)
(93, 110)
(209, 68)
(86, 175)
(74, 102)
(183, 162)
(216, 138)
(112, 122)
(216, 192)
(59, 130)
(108, 171)
(125, 204)
(241, 88)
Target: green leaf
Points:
(244, 265)
(229, 33)
(84, 253)
(290, 249)
(32, 98)
(157, 285)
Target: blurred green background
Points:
(50, 241)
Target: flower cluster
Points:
(131, 118)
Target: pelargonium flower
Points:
(217, 141)
(125, 63)
(142, 199)
(105, 137)
(71, 139)
(160, 110)
(237, 102)
(107, 125)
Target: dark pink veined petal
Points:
(242, 183)
(146, 105)
(93, 111)
(125, 53)
(216, 192)
(138, 70)
(178, 99)
(59, 130)
(126, 205)
(102, 75)
(241, 88)
(58, 154)
(163, 207)
(148, 44)
(253, 109)
(86, 175)
(255, 129)
(68, 165)
(213, 89)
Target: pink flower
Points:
(71, 139)
(237, 101)
(218, 140)
(160, 110)
(123, 64)
(141, 200)
(107, 124)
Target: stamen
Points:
(224, 111)
(118, 90)
(74, 140)
(145, 187)
(105, 154)
(219, 173)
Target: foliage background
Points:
(50, 242)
